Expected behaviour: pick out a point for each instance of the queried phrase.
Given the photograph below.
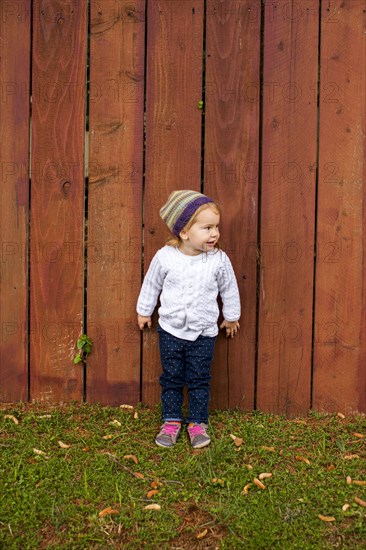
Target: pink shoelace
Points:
(171, 429)
(196, 430)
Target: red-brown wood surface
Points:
(288, 205)
(173, 134)
(115, 199)
(57, 197)
(231, 176)
(14, 122)
(339, 358)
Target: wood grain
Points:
(287, 207)
(14, 148)
(57, 198)
(340, 340)
(117, 43)
(173, 134)
(231, 177)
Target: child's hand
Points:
(231, 327)
(141, 321)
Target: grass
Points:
(54, 500)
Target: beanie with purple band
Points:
(180, 207)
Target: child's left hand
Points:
(231, 328)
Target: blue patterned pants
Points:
(185, 363)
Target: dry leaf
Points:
(155, 484)
(349, 480)
(271, 449)
(358, 482)
(116, 423)
(360, 502)
(330, 467)
(109, 436)
(138, 475)
(264, 475)
(136, 415)
(361, 436)
(129, 407)
(86, 449)
(249, 466)
(259, 483)
(63, 445)
(152, 493)
(202, 534)
(41, 453)
(45, 416)
(341, 415)
(350, 457)
(219, 481)
(302, 459)
(108, 511)
(245, 491)
(153, 507)
(11, 417)
(299, 422)
(237, 440)
(132, 457)
(326, 518)
(345, 507)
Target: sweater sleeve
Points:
(228, 288)
(151, 288)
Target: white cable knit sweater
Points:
(189, 287)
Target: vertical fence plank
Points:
(115, 199)
(57, 197)
(288, 202)
(173, 133)
(339, 358)
(232, 91)
(14, 116)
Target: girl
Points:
(189, 272)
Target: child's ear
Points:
(183, 235)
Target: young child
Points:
(189, 272)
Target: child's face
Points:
(202, 235)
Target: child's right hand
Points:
(141, 321)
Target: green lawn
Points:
(55, 499)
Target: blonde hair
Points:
(175, 241)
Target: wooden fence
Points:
(101, 120)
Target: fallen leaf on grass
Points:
(341, 415)
(156, 507)
(63, 445)
(345, 507)
(330, 467)
(350, 457)
(360, 436)
(155, 484)
(299, 422)
(219, 481)
(109, 436)
(348, 480)
(138, 475)
(259, 483)
(136, 415)
(85, 449)
(360, 502)
(202, 534)
(115, 423)
(358, 482)
(11, 417)
(108, 512)
(128, 407)
(249, 466)
(41, 453)
(245, 491)
(152, 493)
(132, 457)
(302, 459)
(264, 475)
(237, 440)
(45, 416)
(271, 449)
(326, 518)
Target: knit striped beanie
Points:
(180, 207)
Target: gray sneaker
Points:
(198, 435)
(168, 435)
